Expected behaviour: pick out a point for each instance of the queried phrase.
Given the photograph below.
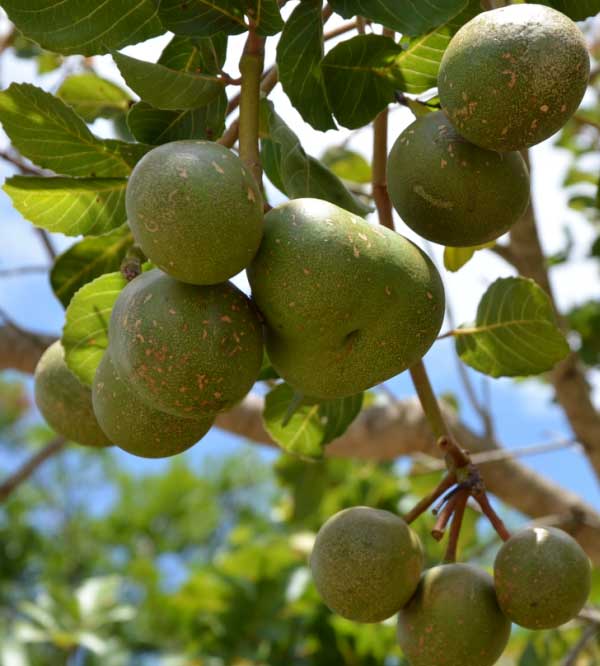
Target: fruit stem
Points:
(444, 517)
(445, 484)
(428, 400)
(488, 510)
(251, 67)
(379, 176)
(460, 504)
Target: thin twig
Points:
(445, 484)
(586, 637)
(22, 270)
(30, 466)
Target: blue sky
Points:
(523, 412)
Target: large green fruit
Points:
(366, 563)
(134, 426)
(512, 77)
(186, 350)
(449, 190)
(195, 210)
(542, 577)
(64, 401)
(347, 304)
(453, 619)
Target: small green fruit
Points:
(64, 401)
(542, 577)
(134, 426)
(195, 210)
(366, 563)
(453, 619)
(512, 77)
(449, 190)
(186, 350)
(347, 304)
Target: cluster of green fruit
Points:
(367, 565)
(509, 79)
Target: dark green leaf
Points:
(93, 97)
(85, 27)
(85, 334)
(72, 206)
(515, 332)
(578, 10)
(299, 55)
(204, 55)
(203, 18)
(311, 426)
(410, 17)
(530, 657)
(48, 132)
(266, 16)
(296, 173)
(88, 259)
(166, 88)
(585, 320)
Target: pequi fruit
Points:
(366, 563)
(186, 350)
(195, 210)
(542, 578)
(134, 426)
(453, 619)
(347, 304)
(64, 401)
(449, 190)
(512, 77)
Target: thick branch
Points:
(386, 432)
(20, 350)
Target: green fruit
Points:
(512, 77)
(135, 427)
(186, 350)
(347, 304)
(451, 191)
(195, 210)
(366, 563)
(64, 401)
(453, 619)
(542, 577)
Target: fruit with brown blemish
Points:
(195, 210)
(366, 563)
(186, 350)
(451, 191)
(64, 401)
(512, 77)
(347, 304)
(453, 619)
(134, 426)
(542, 577)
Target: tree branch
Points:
(21, 350)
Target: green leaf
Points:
(530, 657)
(93, 97)
(203, 18)
(515, 331)
(456, 257)
(410, 17)
(205, 54)
(299, 55)
(85, 334)
(266, 16)
(311, 426)
(585, 319)
(359, 78)
(88, 259)
(347, 164)
(166, 88)
(297, 174)
(48, 62)
(85, 27)
(48, 132)
(578, 10)
(72, 206)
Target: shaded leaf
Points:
(88, 259)
(166, 88)
(515, 332)
(456, 257)
(410, 17)
(71, 206)
(266, 16)
(85, 333)
(48, 132)
(311, 426)
(585, 320)
(299, 55)
(297, 174)
(85, 27)
(578, 10)
(202, 18)
(93, 97)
